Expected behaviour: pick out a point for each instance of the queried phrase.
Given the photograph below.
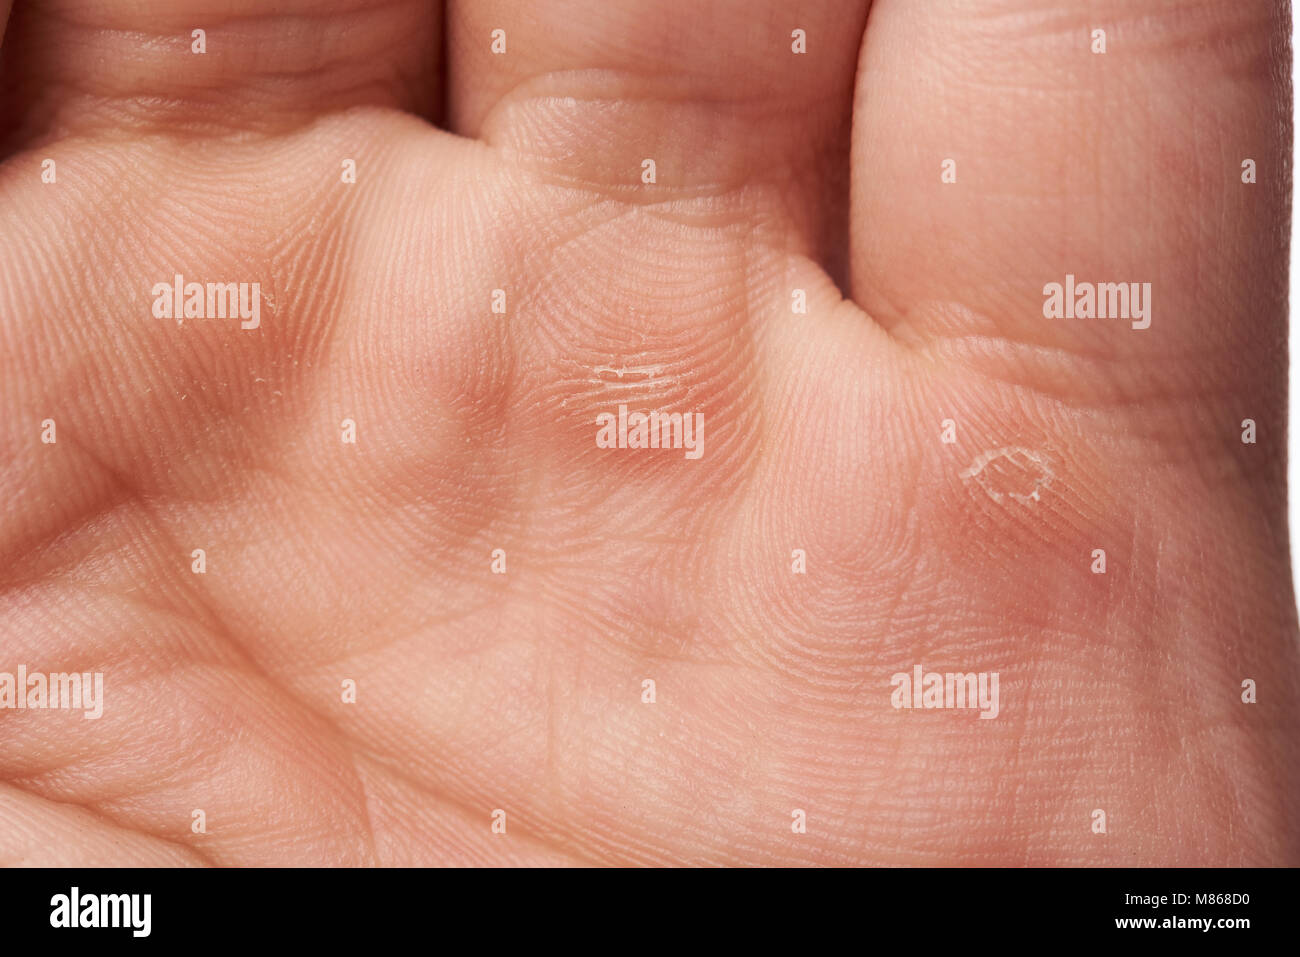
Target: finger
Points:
(1123, 166)
(215, 65)
(7, 121)
(715, 94)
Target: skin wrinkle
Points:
(188, 851)
(214, 623)
(100, 114)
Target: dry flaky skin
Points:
(522, 691)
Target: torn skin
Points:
(1013, 472)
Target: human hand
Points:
(940, 457)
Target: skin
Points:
(522, 691)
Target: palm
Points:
(516, 682)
